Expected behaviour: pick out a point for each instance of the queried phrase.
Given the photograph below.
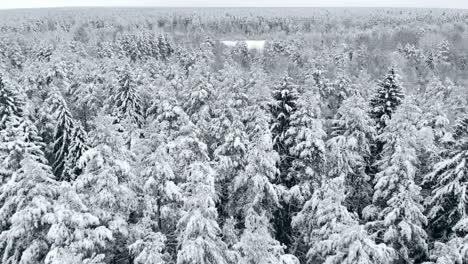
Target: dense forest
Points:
(136, 136)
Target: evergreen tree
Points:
(349, 151)
(283, 106)
(332, 234)
(125, 100)
(9, 103)
(387, 98)
(150, 250)
(447, 204)
(232, 140)
(18, 138)
(199, 232)
(305, 136)
(400, 220)
(159, 211)
(104, 187)
(453, 252)
(256, 244)
(78, 146)
(75, 235)
(25, 200)
(432, 105)
(63, 136)
(252, 188)
(443, 52)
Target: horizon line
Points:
(144, 7)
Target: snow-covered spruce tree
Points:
(397, 210)
(283, 106)
(447, 206)
(434, 112)
(104, 186)
(62, 139)
(87, 96)
(199, 232)
(27, 195)
(75, 235)
(160, 196)
(25, 200)
(332, 234)
(305, 138)
(254, 198)
(189, 158)
(160, 201)
(388, 96)
(349, 150)
(252, 187)
(150, 249)
(19, 137)
(453, 252)
(10, 103)
(78, 146)
(199, 89)
(230, 134)
(256, 244)
(125, 102)
(11, 122)
(443, 52)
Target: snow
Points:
(258, 45)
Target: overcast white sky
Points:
(4, 4)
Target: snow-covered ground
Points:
(251, 44)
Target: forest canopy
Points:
(136, 136)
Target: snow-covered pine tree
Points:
(63, 136)
(104, 186)
(254, 199)
(159, 211)
(453, 252)
(125, 103)
(10, 103)
(388, 96)
(24, 202)
(78, 146)
(75, 235)
(283, 106)
(198, 95)
(87, 97)
(397, 210)
(125, 100)
(230, 132)
(252, 188)
(199, 238)
(332, 234)
(155, 219)
(26, 195)
(256, 244)
(305, 138)
(443, 52)
(19, 137)
(434, 112)
(448, 206)
(349, 151)
(150, 249)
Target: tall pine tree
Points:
(397, 210)
(63, 136)
(448, 206)
(387, 98)
(283, 106)
(10, 104)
